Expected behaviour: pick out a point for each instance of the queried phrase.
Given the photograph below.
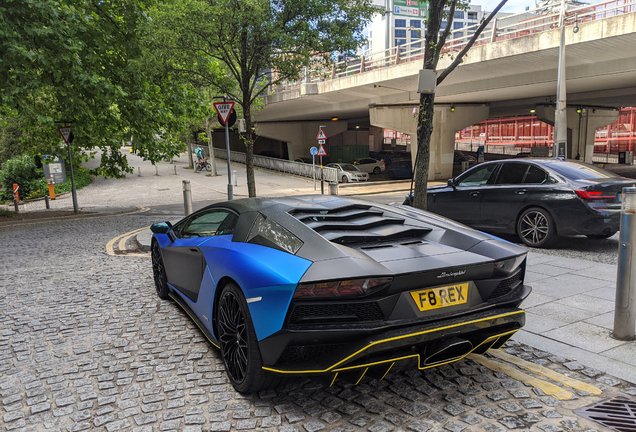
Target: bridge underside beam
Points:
(582, 127)
(300, 136)
(446, 123)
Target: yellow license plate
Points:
(436, 298)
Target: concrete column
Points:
(403, 118)
(581, 127)
(300, 136)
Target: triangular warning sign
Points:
(224, 109)
(321, 135)
(66, 132)
(321, 150)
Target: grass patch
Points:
(6, 214)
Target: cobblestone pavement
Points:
(86, 345)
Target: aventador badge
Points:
(451, 274)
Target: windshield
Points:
(349, 167)
(580, 170)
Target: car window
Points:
(349, 167)
(511, 173)
(209, 224)
(580, 170)
(535, 175)
(477, 177)
(405, 164)
(266, 232)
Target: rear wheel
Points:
(536, 228)
(239, 346)
(391, 175)
(377, 170)
(600, 236)
(208, 167)
(159, 272)
(345, 179)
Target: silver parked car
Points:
(349, 173)
(370, 165)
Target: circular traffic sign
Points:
(313, 151)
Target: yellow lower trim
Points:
(387, 371)
(194, 320)
(334, 379)
(361, 376)
(548, 373)
(549, 389)
(333, 367)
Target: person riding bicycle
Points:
(199, 153)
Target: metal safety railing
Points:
(537, 20)
(282, 165)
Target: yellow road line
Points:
(548, 388)
(548, 373)
(121, 243)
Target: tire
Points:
(238, 342)
(535, 228)
(208, 167)
(345, 179)
(159, 272)
(377, 170)
(600, 236)
(391, 175)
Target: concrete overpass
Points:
(509, 71)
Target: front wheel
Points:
(345, 179)
(208, 167)
(239, 346)
(536, 228)
(159, 272)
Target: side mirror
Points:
(451, 183)
(163, 228)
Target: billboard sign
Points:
(412, 8)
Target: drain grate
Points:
(618, 414)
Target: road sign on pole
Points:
(224, 109)
(321, 135)
(321, 151)
(66, 132)
(313, 151)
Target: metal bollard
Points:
(138, 171)
(175, 170)
(625, 311)
(235, 178)
(156, 170)
(187, 197)
(46, 202)
(15, 204)
(333, 188)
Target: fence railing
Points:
(511, 150)
(541, 19)
(281, 165)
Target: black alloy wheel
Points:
(345, 179)
(535, 228)
(239, 345)
(159, 272)
(377, 170)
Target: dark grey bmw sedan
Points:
(537, 199)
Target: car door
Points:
(502, 201)
(184, 259)
(462, 202)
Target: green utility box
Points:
(348, 154)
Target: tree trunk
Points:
(208, 130)
(194, 140)
(423, 158)
(249, 150)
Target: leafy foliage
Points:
(78, 61)
(20, 170)
(237, 48)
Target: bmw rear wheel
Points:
(239, 346)
(159, 272)
(377, 170)
(535, 228)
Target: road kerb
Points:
(548, 373)
(548, 388)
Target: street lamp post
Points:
(559, 148)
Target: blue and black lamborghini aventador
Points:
(329, 285)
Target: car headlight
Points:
(346, 288)
(510, 265)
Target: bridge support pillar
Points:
(300, 136)
(447, 120)
(582, 127)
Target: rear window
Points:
(580, 171)
(266, 232)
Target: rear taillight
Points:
(347, 288)
(592, 195)
(383, 164)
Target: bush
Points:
(20, 170)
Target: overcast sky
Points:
(511, 6)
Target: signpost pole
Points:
(313, 168)
(224, 112)
(70, 164)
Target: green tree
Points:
(254, 43)
(439, 10)
(78, 61)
